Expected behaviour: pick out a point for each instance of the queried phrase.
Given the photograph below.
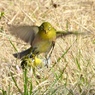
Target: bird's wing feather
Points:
(25, 32)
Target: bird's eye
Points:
(49, 28)
(42, 27)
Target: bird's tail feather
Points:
(20, 55)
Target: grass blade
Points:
(16, 83)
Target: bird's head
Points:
(47, 31)
(46, 27)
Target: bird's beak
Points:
(45, 31)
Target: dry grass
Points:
(77, 66)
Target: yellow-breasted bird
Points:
(41, 38)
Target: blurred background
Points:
(74, 71)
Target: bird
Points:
(41, 38)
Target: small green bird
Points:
(41, 38)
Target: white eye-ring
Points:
(49, 28)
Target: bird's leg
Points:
(48, 57)
(46, 62)
(53, 44)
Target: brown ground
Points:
(79, 75)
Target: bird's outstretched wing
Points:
(25, 32)
(67, 33)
